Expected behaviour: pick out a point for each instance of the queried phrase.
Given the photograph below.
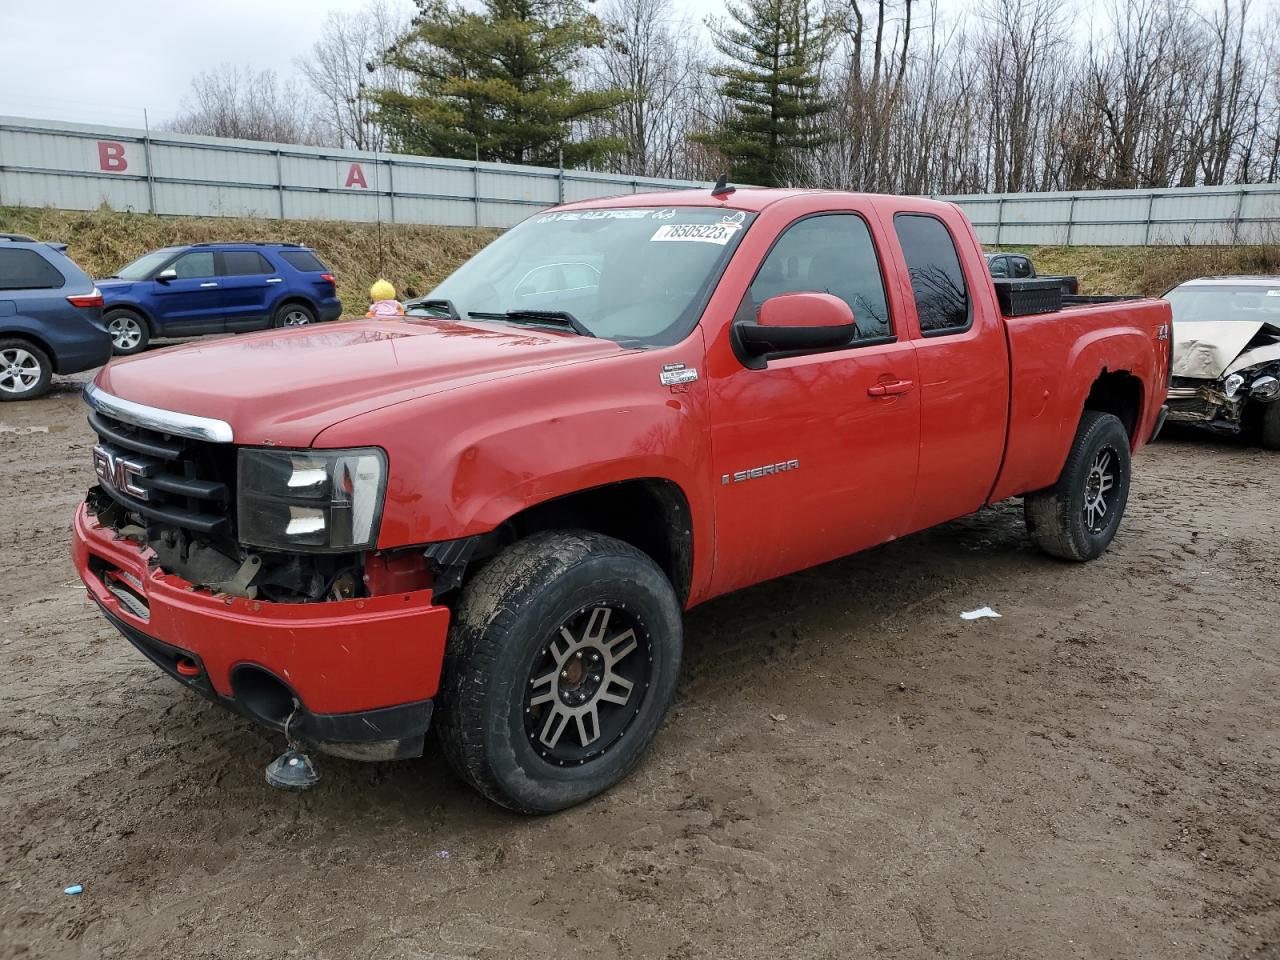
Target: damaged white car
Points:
(1226, 355)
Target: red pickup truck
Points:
(488, 516)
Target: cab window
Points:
(190, 266)
(829, 253)
(941, 295)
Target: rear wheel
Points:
(129, 332)
(561, 665)
(25, 370)
(1077, 518)
(1271, 425)
(293, 315)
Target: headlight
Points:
(314, 501)
(1266, 388)
(1232, 384)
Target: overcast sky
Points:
(93, 61)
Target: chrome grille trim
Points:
(154, 418)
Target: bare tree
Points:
(234, 101)
(657, 58)
(347, 62)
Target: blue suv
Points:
(50, 317)
(216, 288)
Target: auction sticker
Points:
(717, 233)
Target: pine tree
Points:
(774, 50)
(497, 83)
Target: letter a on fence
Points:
(355, 177)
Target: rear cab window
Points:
(27, 270)
(937, 280)
(303, 261)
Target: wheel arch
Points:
(21, 333)
(650, 513)
(299, 299)
(1120, 394)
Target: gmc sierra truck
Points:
(487, 517)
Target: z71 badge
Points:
(755, 473)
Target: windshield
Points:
(1256, 303)
(634, 274)
(144, 266)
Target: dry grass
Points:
(417, 257)
(414, 257)
(1150, 270)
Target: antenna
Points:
(722, 188)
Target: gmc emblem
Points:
(119, 473)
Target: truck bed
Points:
(1054, 359)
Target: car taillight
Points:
(328, 277)
(93, 299)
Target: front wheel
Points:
(561, 665)
(293, 315)
(1077, 518)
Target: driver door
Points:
(191, 302)
(813, 458)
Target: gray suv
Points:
(50, 317)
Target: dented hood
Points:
(1212, 349)
(284, 387)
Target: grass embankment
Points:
(414, 257)
(417, 257)
(1149, 271)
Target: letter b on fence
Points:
(111, 157)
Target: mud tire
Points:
(505, 617)
(1056, 516)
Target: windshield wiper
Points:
(446, 305)
(559, 318)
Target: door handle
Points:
(208, 284)
(275, 280)
(892, 388)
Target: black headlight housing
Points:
(310, 501)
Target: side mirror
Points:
(164, 276)
(796, 321)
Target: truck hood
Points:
(284, 387)
(1212, 349)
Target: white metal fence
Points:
(1191, 215)
(79, 167)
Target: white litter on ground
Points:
(5, 428)
(979, 614)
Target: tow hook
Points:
(292, 770)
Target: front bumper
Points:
(363, 672)
(1205, 405)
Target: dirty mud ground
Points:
(850, 769)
